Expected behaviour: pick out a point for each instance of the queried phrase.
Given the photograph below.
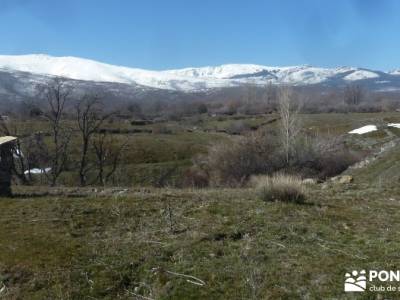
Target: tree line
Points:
(48, 151)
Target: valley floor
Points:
(194, 244)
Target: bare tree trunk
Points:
(107, 154)
(290, 126)
(90, 117)
(57, 95)
(353, 95)
(270, 96)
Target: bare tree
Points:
(270, 95)
(290, 127)
(353, 95)
(90, 116)
(40, 155)
(250, 95)
(135, 110)
(57, 93)
(108, 155)
(248, 102)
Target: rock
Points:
(309, 181)
(342, 179)
(121, 192)
(324, 186)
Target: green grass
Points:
(106, 247)
(148, 156)
(224, 123)
(144, 154)
(341, 123)
(383, 171)
(71, 243)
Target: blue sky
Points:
(163, 34)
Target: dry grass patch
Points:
(280, 187)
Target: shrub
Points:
(202, 108)
(238, 127)
(194, 177)
(232, 163)
(334, 163)
(321, 157)
(161, 129)
(280, 187)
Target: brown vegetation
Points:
(280, 187)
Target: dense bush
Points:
(232, 163)
(238, 127)
(320, 157)
(194, 177)
(280, 187)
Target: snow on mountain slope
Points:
(287, 75)
(84, 69)
(395, 72)
(361, 74)
(304, 75)
(188, 79)
(221, 72)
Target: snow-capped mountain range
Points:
(195, 79)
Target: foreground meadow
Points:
(194, 244)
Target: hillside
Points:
(197, 79)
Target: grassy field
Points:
(148, 243)
(113, 244)
(154, 150)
